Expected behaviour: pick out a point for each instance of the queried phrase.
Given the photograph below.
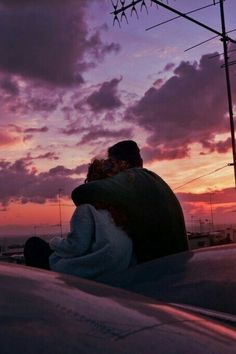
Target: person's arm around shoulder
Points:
(107, 190)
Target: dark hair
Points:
(126, 150)
(99, 169)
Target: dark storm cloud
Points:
(48, 40)
(190, 107)
(106, 97)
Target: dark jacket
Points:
(155, 218)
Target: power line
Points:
(208, 40)
(120, 9)
(179, 16)
(207, 174)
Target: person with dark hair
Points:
(126, 150)
(155, 220)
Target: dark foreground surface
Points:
(45, 312)
(205, 278)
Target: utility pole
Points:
(212, 221)
(59, 205)
(120, 8)
(225, 40)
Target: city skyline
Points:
(72, 84)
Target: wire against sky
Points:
(207, 174)
(179, 16)
(120, 8)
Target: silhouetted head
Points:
(128, 151)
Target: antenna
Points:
(120, 9)
(212, 220)
(59, 205)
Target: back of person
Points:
(155, 220)
(157, 224)
(94, 248)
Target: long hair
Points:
(104, 168)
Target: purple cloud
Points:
(43, 129)
(161, 152)
(221, 146)
(24, 184)
(190, 107)
(71, 131)
(169, 66)
(48, 155)
(63, 171)
(106, 97)
(9, 85)
(99, 133)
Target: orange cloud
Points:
(8, 139)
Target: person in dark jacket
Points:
(155, 220)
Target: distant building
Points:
(230, 234)
(220, 237)
(198, 240)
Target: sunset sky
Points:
(72, 84)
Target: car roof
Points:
(47, 312)
(205, 278)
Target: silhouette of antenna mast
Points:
(119, 13)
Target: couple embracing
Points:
(125, 214)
